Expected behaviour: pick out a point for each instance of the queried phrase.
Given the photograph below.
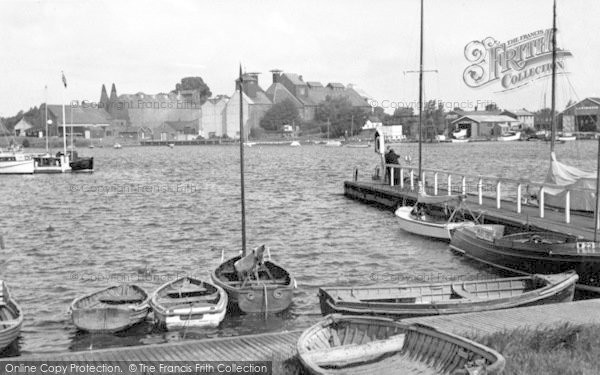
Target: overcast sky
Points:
(149, 46)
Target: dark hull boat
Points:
(110, 310)
(271, 293)
(448, 298)
(531, 252)
(368, 345)
(82, 165)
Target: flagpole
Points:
(46, 114)
(242, 163)
(64, 120)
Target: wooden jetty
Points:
(195, 142)
(279, 347)
(503, 205)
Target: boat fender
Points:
(277, 293)
(536, 239)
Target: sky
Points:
(149, 46)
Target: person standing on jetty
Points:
(391, 158)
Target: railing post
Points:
(519, 193)
(435, 183)
(464, 185)
(498, 194)
(355, 174)
(542, 202)
(568, 207)
(391, 176)
(480, 190)
(412, 180)
(449, 184)
(402, 178)
(423, 180)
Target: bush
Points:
(25, 143)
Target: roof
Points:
(477, 113)
(336, 85)
(182, 125)
(487, 118)
(294, 78)
(597, 100)
(23, 124)
(314, 84)
(261, 98)
(80, 114)
(519, 112)
(278, 93)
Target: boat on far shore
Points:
(295, 144)
(510, 136)
(459, 140)
(117, 146)
(566, 137)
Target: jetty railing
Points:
(522, 191)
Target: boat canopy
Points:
(437, 199)
(581, 184)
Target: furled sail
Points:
(581, 184)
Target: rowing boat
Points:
(189, 302)
(110, 310)
(370, 345)
(11, 317)
(416, 300)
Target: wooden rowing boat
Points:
(370, 345)
(405, 301)
(189, 302)
(530, 252)
(271, 292)
(11, 317)
(110, 310)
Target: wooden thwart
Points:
(340, 356)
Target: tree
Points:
(543, 117)
(196, 84)
(282, 113)
(340, 114)
(491, 107)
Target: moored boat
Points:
(80, 164)
(567, 137)
(295, 144)
(371, 345)
(333, 143)
(510, 136)
(264, 288)
(12, 162)
(117, 146)
(47, 163)
(110, 310)
(403, 301)
(11, 317)
(530, 252)
(461, 140)
(189, 302)
(425, 218)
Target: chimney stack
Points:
(276, 75)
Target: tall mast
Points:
(46, 113)
(64, 118)
(242, 164)
(421, 93)
(553, 105)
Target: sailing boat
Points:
(580, 184)
(47, 163)
(254, 284)
(329, 142)
(425, 218)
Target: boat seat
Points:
(253, 282)
(204, 298)
(117, 300)
(460, 290)
(347, 355)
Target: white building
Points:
(213, 122)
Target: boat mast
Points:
(421, 93)
(46, 113)
(242, 164)
(64, 119)
(597, 191)
(553, 105)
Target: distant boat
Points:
(357, 145)
(333, 143)
(295, 144)
(171, 145)
(110, 310)
(464, 140)
(189, 302)
(47, 163)
(567, 137)
(80, 164)
(405, 301)
(249, 144)
(11, 317)
(13, 162)
(117, 146)
(91, 146)
(352, 345)
(510, 136)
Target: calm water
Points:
(149, 215)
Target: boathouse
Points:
(84, 121)
(526, 118)
(484, 126)
(580, 117)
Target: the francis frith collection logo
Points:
(514, 63)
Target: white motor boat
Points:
(510, 136)
(13, 162)
(295, 144)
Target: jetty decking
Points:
(279, 347)
(581, 224)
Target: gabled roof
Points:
(487, 118)
(261, 98)
(519, 112)
(314, 84)
(596, 100)
(278, 93)
(182, 125)
(80, 115)
(294, 79)
(336, 85)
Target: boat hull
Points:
(268, 297)
(367, 345)
(178, 313)
(531, 258)
(108, 318)
(16, 167)
(11, 318)
(82, 165)
(436, 230)
(407, 301)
